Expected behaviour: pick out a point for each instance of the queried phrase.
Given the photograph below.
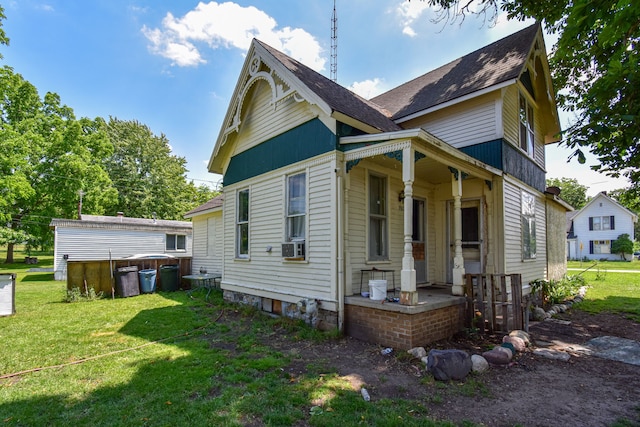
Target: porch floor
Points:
(431, 297)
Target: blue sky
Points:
(173, 65)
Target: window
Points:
(296, 207)
(378, 218)
(526, 126)
(242, 224)
(598, 223)
(176, 242)
(528, 224)
(600, 247)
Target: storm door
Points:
(472, 238)
(419, 247)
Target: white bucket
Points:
(377, 289)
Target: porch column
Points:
(458, 260)
(408, 292)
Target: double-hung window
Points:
(378, 244)
(176, 242)
(242, 224)
(528, 225)
(296, 207)
(598, 223)
(526, 126)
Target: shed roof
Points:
(211, 205)
(122, 222)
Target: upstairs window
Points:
(378, 244)
(528, 225)
(242, 224)
(600, 223)
(526, 126)
(296, 207)
(176, 242)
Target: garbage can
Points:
(7, 294)
(127, 282)
(169, 277)
(147, 281)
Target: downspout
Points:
(340, 239)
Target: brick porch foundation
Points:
(402, 328)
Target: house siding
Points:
(262, 120)
(463, 124)
(531, 269)
(267, 273)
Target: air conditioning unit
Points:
(293, 249)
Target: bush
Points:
(550, 292)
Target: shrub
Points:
(557, 291)
(75, 295)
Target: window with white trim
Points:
(176, 242)
(598, 223)
(600, 247)
(296, 207)
(528, 225)
(242, 224)
(378, 244)
(526, 126)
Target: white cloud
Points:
(228, 25)
(367, 88)
(409, 12)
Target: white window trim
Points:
(387, 257)
(237, 223)
(529, 125)
(175, 247)
(285, 214)
(534, 255)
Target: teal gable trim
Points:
(300, 143)
(504, 156)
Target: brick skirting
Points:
(403, 330)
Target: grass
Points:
(164, 359)
(611, 291)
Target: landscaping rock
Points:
(496, 357)
(505, 350)
(479, 364)
(447, 365)
(552, 354)
(417, 352)
(539, 314)
(522, 335)
(517, 343)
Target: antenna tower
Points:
(334, 44)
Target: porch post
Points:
(458, 260)
(408, 293)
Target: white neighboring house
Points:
(592, 229)
(101, 237)
(207, 236)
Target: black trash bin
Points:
(127, 283)
(169, 280)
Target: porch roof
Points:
(439, 156)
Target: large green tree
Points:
(595, 68)
(571, 191)
(150, 179)
(47, 158)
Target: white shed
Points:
(104, 237)
(207, 235)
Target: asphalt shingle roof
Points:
(498, 62)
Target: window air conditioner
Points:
(293, 249)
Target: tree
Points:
(150, 180)
(572, 192)
(622, 245)
(595, 67)
(47, 157)
(629, 199)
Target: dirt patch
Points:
(532, 391)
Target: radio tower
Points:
(334, 44)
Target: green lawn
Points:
(164, 360)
